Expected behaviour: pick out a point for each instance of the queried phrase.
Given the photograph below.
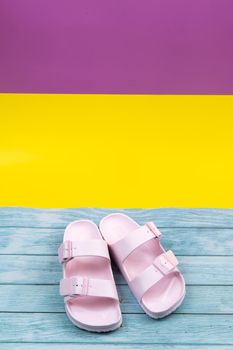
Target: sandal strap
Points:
(93, 247)
(82, 286)
(164, 264)
(124, 247)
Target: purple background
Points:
(120, 46)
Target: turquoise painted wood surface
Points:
(32, 314)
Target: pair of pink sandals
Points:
(88, 286)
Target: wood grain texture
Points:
(182, 329)
(32, 313)
(19, 269)
(59, 218)
(57, 346)
(45, 298)
(45, 241)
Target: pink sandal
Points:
(150, 271)
(88, 286)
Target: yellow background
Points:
(116, 151)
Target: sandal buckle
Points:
(168, 261)
(65, 251)
(152, 227)
(81, 286)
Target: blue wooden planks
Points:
(119, 346)
(199, 299)
(59, 218)
(139, 328)
(30, 269)
(32, 313)
(195, 241)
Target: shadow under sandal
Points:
(151, 272)
(88, 286)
